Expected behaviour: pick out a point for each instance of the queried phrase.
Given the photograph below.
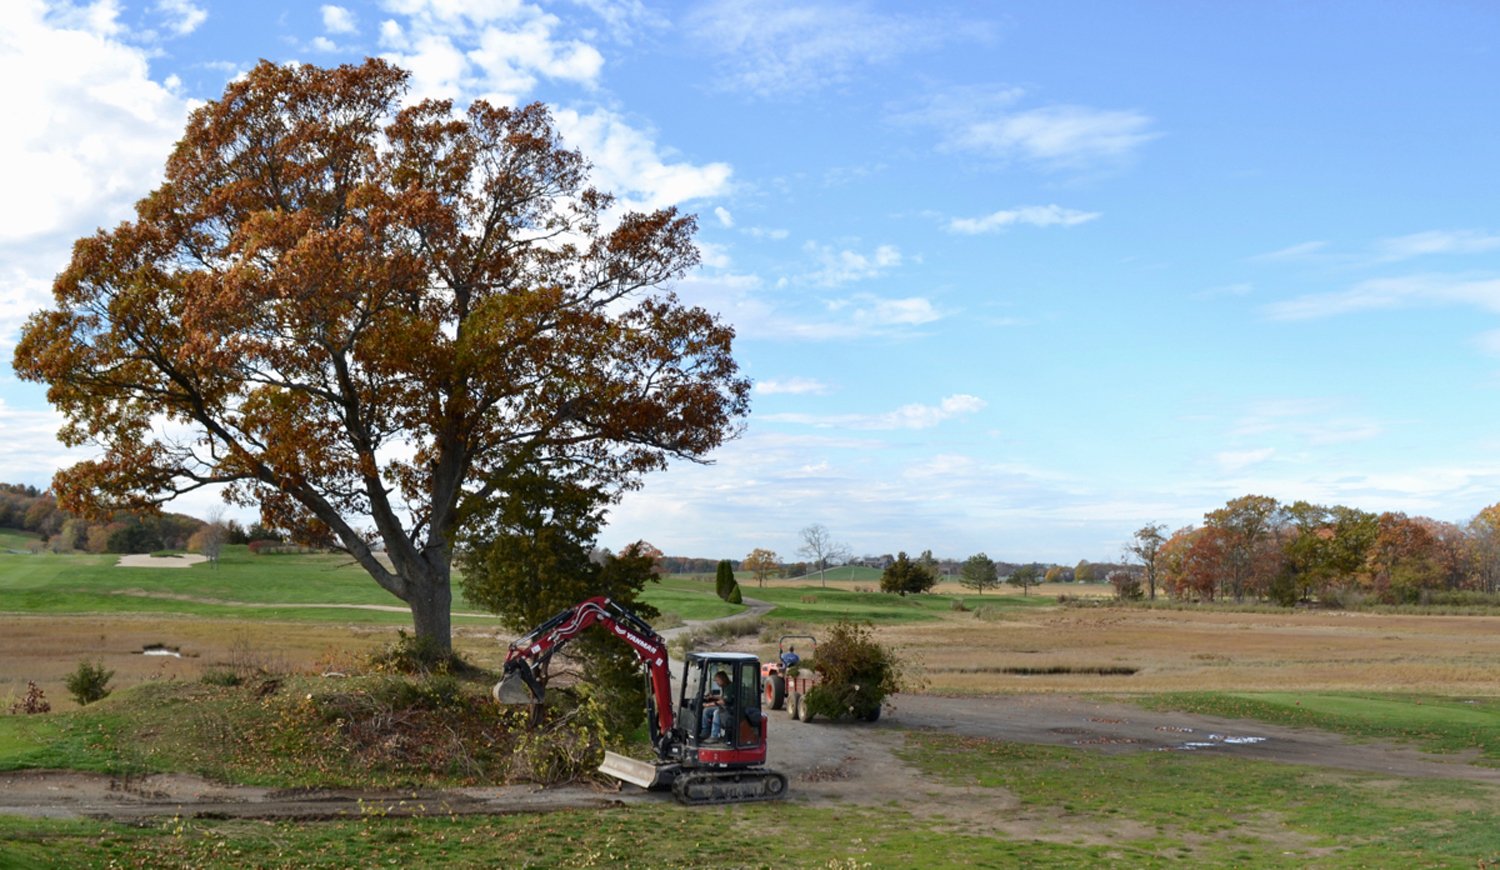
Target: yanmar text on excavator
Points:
(696, 767)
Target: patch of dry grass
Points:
(48, 648)
(1213, 651)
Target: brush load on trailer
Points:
(699, 766)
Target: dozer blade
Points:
(642, 773)
(512, 690)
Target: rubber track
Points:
(707, 787)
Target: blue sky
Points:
(1011, 277)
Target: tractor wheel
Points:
(873, 715)
(775, 691)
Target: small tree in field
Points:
(1025, 577)
(761, 563)
(88, 683)
(979, 573)
(905, 576)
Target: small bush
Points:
(858, 673)
(32, 702)
(414, 655)
(89, 683)
(957, 605)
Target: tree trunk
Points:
(431, 603)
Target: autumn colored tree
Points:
(1250, 526)
(1450, 552)
(761, 563)
(1483, 533)
(1327, 548)
(979, 573)
(1146, 546)
(1403, 560)
(1193, 561)
(367, 319)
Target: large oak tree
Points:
(360, 317)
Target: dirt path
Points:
(826, 763)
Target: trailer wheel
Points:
(775, 692)
(806, 713)
(794, 706)
(873, 715)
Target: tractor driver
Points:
(719, 700)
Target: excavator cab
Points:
(722, 715)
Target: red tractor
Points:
(718, 691)
(786, 681)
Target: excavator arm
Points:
(527, 658)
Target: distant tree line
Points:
(28, 509)
(1258, 548)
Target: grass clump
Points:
(718, 632)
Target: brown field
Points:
(1208, 650)
(48, 648)
(959, 653)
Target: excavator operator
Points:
(720, 701)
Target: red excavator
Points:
(699, 766)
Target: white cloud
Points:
(337, 19)
(1438, 242)
(726, 219)
(1392, 293)
(30, 451)
(629, 163)
(462, 49)
(88, 131)
(324, 44)
(988, 121)
(1489, 342)
(782, 46)
(791, 386)
(1058, 135)
(844, 266)
(874, 314)
(183, 16)
(766, 233)
(1030, 215)
(913, 416)
(1298, 251)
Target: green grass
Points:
(241, 586)
(1019, 806)
(245, 586)
(766, 835)
(1222, 811)
(1432, 723)
(688, 598)
(819, 605)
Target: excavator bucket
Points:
(641, 773)
(513, 690)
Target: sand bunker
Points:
(147, 561)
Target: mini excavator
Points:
(697, 768)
